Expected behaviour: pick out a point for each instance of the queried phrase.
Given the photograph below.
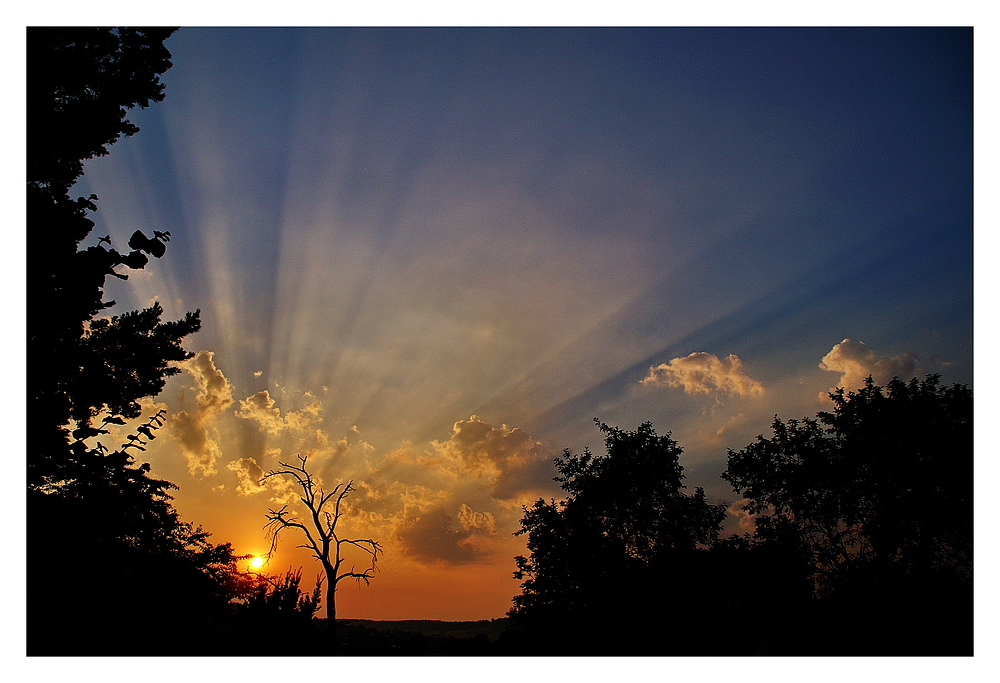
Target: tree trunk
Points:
(331, 611)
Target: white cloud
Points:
(855, 361)
(704, 373)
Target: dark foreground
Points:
(496, 637)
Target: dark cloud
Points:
(431, 538)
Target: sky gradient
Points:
(428, 258)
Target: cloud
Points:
(191, 429)
(261, 408)
(747, 522)
(430, 538)
(715, 438)
(462, 496)
(509, 457)
(249, 473)
(703, 373)
(472, 520)
(855, 361)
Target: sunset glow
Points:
(427, 259)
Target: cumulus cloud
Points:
(704, 373)
(746, 521)
(261, 408)
(462, 495)
(432, 538)
(470, 520)
(249, 474)
(855, 361)
(214, 395)
(509, 457)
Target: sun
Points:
(257, 562)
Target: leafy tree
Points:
(80, 83)
(618, 547)
(322, 539)
(134, 562)
(878, 493)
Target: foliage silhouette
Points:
(282, 598)
(321, 534)
(877, 494)
(625, 543)
(80, 84)
(137, 571)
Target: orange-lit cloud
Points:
(704, 373)
(744, 519)
(192, 429)
(855, 361)
(249, 473)
(432, 537)
(508, 457)
(470, 519)
(454, 501)
(261, 408)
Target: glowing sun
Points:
(257, 562)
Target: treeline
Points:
(862, 543)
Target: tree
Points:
(878, 492)
(281, 599)
(135, 563)
(274, 616)
(108, 552)
(617, 547)
(321, 534)
(80, 83)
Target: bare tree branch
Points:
(321, 535)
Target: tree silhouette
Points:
(282, 599)
(80, 83)
(625, 527)
(134, 563)
(325, 510)
(273, 615)
(878, 492)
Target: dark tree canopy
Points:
(81, 81)
(877, 494)
(623, 542)
(880, 486)
(80, 84)
(111, 566)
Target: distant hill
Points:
(492, 628)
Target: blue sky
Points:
(390, 231)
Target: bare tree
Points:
(321, 533)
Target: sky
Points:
(427, 259)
